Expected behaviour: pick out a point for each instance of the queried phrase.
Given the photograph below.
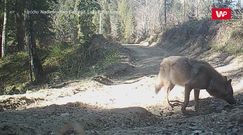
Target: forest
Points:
(90, 66)
(37, 32)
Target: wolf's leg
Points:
(158, 86)
(159, 83)
(188, 89)
(170, 86)
(196, 98)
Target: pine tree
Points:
(126, 19)
(105, 18)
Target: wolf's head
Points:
(222, 89)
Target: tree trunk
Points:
(4, 29)
(35, 63)
(165, 13)
(0, 41)
(184, 10)
(20, 4)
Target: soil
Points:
(127, 104)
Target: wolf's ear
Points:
(229, 81)
(225, 78)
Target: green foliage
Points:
(105, 18)
(96, 21)
(14, 73)
(73, 62)
(57, 53)
(229, 38)
(126, 19)
(74, 22)
(42, 21)
(65, 23)
(62, 62)
(129, 26)
(1, 6)
(87, 28)
(10, 27)
(89, 5)
(109, 57)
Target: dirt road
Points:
(128, 107)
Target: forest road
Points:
(129, 107)
(147, 59)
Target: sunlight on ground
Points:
(238, 87)
(233, 66)
(140, 94)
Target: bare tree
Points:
(165, 12)
(151, 16)
(148, 16)
(4, 29)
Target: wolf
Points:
(193, 74)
